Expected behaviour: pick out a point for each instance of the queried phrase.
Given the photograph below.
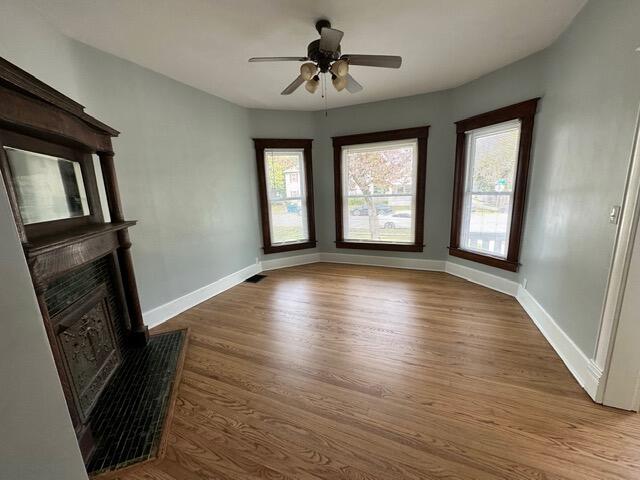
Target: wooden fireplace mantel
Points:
(81, 266)
(31, 109)
(28, 103)
(54, 255)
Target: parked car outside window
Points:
(364, 210)
(397, 220)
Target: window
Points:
(286, 194)
(492, 162)
(380, 189)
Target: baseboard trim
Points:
(161, 314)
(290, 261)
(377, 261)
(584, 369)
(485, 279)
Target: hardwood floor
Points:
(329, 371)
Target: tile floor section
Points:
(128, 419)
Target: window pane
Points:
(380, 168)
(491, 163)
(379, 219)
(495, 154)
(284, 173)
(287, 196)
(379, 182)
(288, 221)
(489, 224)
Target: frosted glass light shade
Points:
(339, 83)
(340, 68)
(312, 85)
(308, 70)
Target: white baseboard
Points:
(161, 314)
(377, 261)
(483, 278)
(291, 261)
(584, 369)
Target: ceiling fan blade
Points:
(293, 86)
(330, 39)
(385, 61)
(352, 85)
(278, 59)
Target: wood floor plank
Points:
(329, 371)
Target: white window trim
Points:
(302, 197)
(375, 146)
(471, 136)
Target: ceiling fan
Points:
(324, 56)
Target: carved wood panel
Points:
(85, 336)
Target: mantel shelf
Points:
(60, 240)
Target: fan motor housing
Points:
(321, 57)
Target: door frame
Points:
(627, 397)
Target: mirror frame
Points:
(31, 144)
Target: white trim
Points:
(485, 279)
(158, 315)
(629, 217)
(376, 261)
(290, 261)
(585, 370)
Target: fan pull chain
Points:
(324, 94)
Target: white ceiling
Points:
(206, 43)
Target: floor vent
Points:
(255, 278)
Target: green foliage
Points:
(276, 166)
(494, 163)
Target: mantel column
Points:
(139, 332)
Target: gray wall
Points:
(582, 150)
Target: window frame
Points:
(525, 112)
(421, 134)
(262, 144)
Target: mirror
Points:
(47, 188)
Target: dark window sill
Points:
(485, 259)
(380, 246)
(289, 247)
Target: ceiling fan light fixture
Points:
(312, 84)
(340, 68)
(339, 83)
(308, 70)
(324, 56)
